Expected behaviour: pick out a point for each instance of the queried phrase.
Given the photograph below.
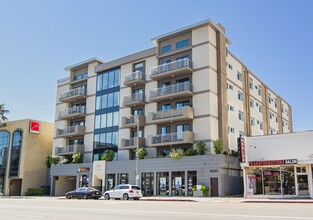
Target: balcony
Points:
(72, 131)
(173, 69)
(69, 149)
(185, 137)
(131, 143)
(134, 79)
(172, 115)
(77, 94)
(134, 100)
(79, 78)
(73, 113)
(130, 122)
(179, 90)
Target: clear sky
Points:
(38, 38)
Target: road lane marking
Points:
(31, 216)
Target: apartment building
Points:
(24, 147)
(188, 88)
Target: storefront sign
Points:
(3, 125)
(241, 149)
(273, 162)
(34, 127)
(83, 170)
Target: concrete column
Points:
(186, 183)
(170, 183)
(155, 183)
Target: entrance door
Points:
(303, 187)
(214, 186)
(147, 184)
(15, 187)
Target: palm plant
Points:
(3, 111)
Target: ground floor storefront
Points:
(157, 177)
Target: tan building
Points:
(24, 147)
(188, 88)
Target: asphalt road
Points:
(53, 208)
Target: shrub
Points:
(108, 155)
(225, 153)
(37, 192)
(191, 152)
(201, 148)
(52, 160)
(234, 153)
(176, 153)
(218, 146)
(141, 153)
(77, 158)
(204, 189)
(194, 188)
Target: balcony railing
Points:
(74, 112)
(69, 149)
(134, 99)
(132, 143)
(73, 95)
(178, 90)
(130, 122)
(135, 78)
(172, 115)
(178, 67)
(185, 137)
(71, 131)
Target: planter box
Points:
(199, 193)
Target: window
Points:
(182, 104)
(259, 90)
(269, 98)
(231, 87)
(239, 76)
(240, 97)
(166, 107)
(183, 43)
(231, 130)
(139, 67)
(15, 153)
(241, 133)
(275, 102)
(276, 118)
(252, 121)
(230, 66)
(108, 79)
(166, 48)
(251, 83)
(261, 125)
(138, 111)
(80, 76)
(260, 108)
(240, 115)
(4, 145)
(231, 108)
(251, 103)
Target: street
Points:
(218, 208)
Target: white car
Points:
(124, 191)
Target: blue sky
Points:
(38, 38)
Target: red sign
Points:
(243, 150)
(34, 127)
(273, 162)
(83, 170)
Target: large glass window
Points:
(4, 145)
(15, 153)
(183, 43)
(122, 178)
(162, 184)
(178, 183)
(166, 48)
(147, 185)
(108, 79)
(139, 67)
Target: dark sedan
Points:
(84, 193)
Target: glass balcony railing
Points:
(134, 79)
(134, 99)
(73, 95)
(178, 90)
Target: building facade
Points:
(279, 166)
(24, 147)
(188, 88)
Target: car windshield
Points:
(93, 189)
(135, 188)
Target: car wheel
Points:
(136, 198)
(68, 196)
(107, 196)
(125, 196)
(85, 196)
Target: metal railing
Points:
(68, 149)
(73, 110)
(178, 87)
(134, 76)
(170, 137)
(170, 66)
(73, 92)
(134, 97)
(71, 129)
(172, 113)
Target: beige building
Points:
(187, 88)
(24, 147)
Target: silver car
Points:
(124, 191)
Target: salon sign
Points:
(273, 162)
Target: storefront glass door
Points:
(162, 184)
(147, 185)
(178, 183)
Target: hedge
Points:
(37, 192)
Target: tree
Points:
(3, 111)
(108, 155)
(218, 146)
(141, 153)
(176, 153)
(201, 148)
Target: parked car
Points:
(84, 193)
(124, 191)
